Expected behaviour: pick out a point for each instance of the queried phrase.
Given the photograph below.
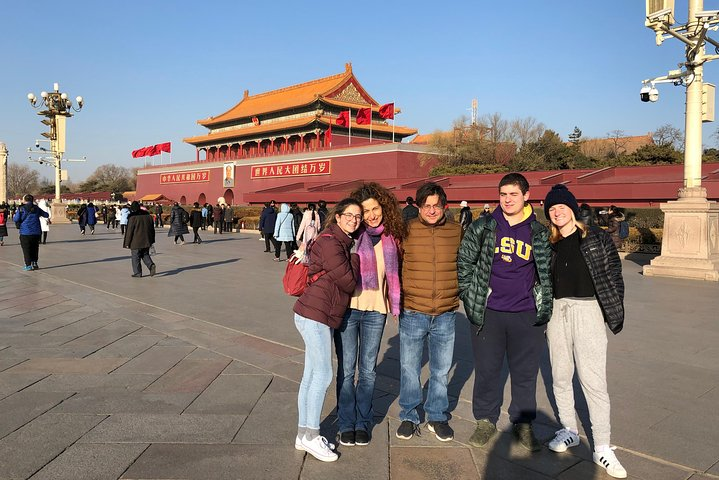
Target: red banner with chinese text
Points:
(193, 176)
(298, 169)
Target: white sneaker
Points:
(299, 446)
(609, 461)
(319, 448)
(563, 440)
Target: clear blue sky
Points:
(149, 70)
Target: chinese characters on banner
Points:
(298, 169)
(185, 177)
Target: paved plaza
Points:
(193, 374)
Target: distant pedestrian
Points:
(178, 223)
(27, 216)
(585, 215)
(158, 216)
(82, 218)
(4, 214)
(196, 222)
(91, 217)
(410, 211)
(103, 212)
(268, 217)
(588, 292)
(465, 215)
(323, 212)
(228, 217)
(309, 227)
(139, 237)
(204, 216)
(284, 232)
(217, 218)
(124, 213)
(486, 211)
(111, 217)
(614, 219)
(45, 222)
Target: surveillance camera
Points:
(707, 15)
(37, 143)
(659, 15)
(644, 93)
(40, 162)
(653, 94)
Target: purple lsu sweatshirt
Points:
(513, 270)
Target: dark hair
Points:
(340, 208)
(409, 200)
(135, 206)
(196, 205)
(322, 204)
(429, 189)
(515, 179)
(391, 216)
(311, 206)
(28, 198)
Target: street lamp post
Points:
(690, 238)
(57, 108)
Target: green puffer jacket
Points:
(474, 267)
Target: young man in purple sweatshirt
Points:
(504, 282)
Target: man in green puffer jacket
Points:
(504, 281)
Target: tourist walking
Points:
(588, 292)
(465, 215)
(196, 222)
(45, 222)
(27, 216)
(158, 216)
(319, 310)
(103, 212)
(430, 302)
(268, 217)
(91, 217)
(4, 214)
(376, 294)
(228, 217)
(204, 216)
(615, 217)
(111, 217)
(139, 237)
(217, 218)
(284, 232)
(82, 218)
(124, 214)
(309, 227)
(178, 223)
(410, 211)
(504, 282)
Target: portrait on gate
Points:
(228, 175)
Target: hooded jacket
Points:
(29, 214)
(476, 266)
(140, 231)
(284, 225)
(178, 226)
(327, 299)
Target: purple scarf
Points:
(368, 264)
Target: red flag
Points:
(328, 136)
(386, 110)
(164, 147)
(134, 153)
(364, 116)
(151, 151)
(140, 152)
(343, 120)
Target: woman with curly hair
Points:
(377, 293)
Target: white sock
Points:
(601, 448)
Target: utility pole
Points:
(690, 239)
(3, 172)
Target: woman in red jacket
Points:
(319, 310)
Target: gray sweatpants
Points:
(577, 336)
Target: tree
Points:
(667, 135)
(575, 136)
(109, 178)
(47, 186)
(651, 155)
(525, 130)
(619, 143)
(21, 179)
(549, 153)
(496, 127)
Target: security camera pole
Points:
(3, 173)
(58, 107)
(690, 239)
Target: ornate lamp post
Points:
(57, 108)
(690, 239)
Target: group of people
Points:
(518, 280)
(290, 227)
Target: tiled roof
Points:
(286, 98)
(279, 127)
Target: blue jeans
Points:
(357, 339)
(414, 327)
(317, 375)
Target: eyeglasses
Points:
(349, 217)
(428, 208)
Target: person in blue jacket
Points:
(91, 217)
(27, 218)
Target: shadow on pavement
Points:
(194, 267)
(109, 259)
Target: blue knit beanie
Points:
(560, 194)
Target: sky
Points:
(149, 70)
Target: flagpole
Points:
(393, 115)
(370, 123)
(349, 121)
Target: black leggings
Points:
(44, 237)
(30, 247)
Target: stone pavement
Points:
(194, 374)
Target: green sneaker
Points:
(483, 433)
(524, 434)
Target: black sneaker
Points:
(34, 266)
(153, 270)
(347, 438)
(442, 431)
(407, 430)
(361, 437)
(524, 434)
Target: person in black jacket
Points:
(585, 215)
(196, 222)
(268, 217)
(178, 223)
(465, 215)
(139, 237)
(410, 211)
(588, 292)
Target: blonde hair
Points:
(555, 235)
